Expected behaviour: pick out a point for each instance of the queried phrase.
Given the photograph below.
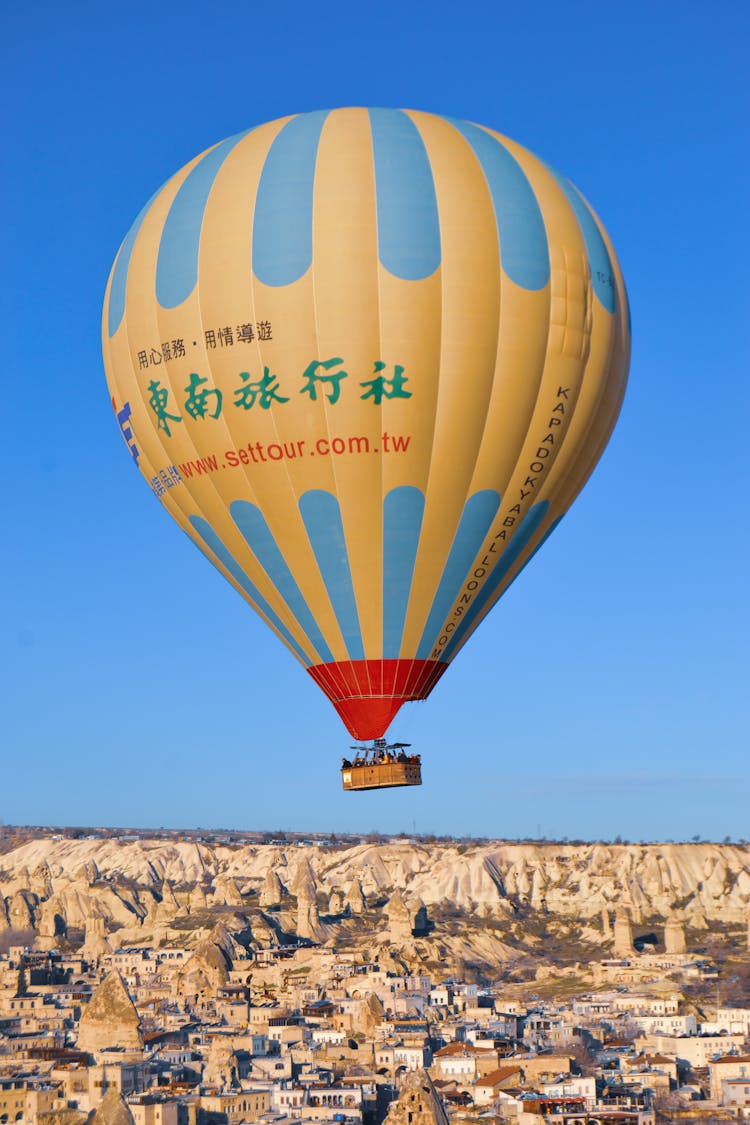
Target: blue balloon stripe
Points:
(476, 520)
(283, 222)
(522, 235)
(525, 531)
(600, 266)
(408, 220)
(116, 310)
(322, 518)
(257, 534)
(177, 263)
(403, 509)
(538, 548)
(215, 545)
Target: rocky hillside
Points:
(500, 891)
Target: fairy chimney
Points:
(271, 890)
(110, 1018)
(308, 918)
(355, 899)
(95, 944)
(400, 922)
(112, 1110)
(418, 1102)
(623, 944)
(674, 935)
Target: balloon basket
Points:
(381, 766)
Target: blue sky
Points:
(607, 693)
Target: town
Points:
(286, 983)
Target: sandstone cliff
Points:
(483, 901)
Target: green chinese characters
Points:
(321, 379)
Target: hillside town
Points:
(271, 1002)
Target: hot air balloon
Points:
(366, 359)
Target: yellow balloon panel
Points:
(367, 359)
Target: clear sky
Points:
(608, 692)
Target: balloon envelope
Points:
(366, 359)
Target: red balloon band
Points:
(369, 693)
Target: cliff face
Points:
(54, 884)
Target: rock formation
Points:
(87, 873)
(204, 972)
(623, 938)
(355, 899)
(305, 884)
(226, 892)
(272, 891)
(20, 910)
(308, 918)
(167, 908)
(40, 881)
(64, 1117)
(538, 889)
(420, 917)
(95, 944)
(336, 904)
(418, 1102)
(400, 922)
(112, 1110)
(371, 1014)
(52, 884)
(221, 937)
(221, 1069)
(110, 1018)
(50, 924)
(197, 899)
(264, 934)
(674, 935)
